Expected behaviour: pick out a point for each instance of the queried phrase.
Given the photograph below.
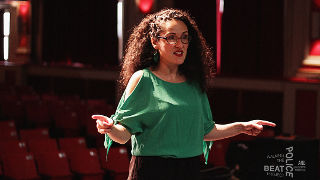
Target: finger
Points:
(99, 127)
(258, 127)
(102, 131)
(266, 123)
(103, 125)
(100, 117)
(104, 119)
(100, 124)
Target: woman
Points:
(164, 108)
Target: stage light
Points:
(219, 13)
(145, 6)
(315, 48)
(120, 29)
(313, 59)
(5, 48)
(6, 33)
(23, 9)
(6, 24)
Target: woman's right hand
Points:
(104, 124)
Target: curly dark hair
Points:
(198, 66)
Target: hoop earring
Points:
(156, 57)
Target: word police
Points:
(287, 168)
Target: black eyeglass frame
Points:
(166, 38)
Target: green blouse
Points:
(165, 119)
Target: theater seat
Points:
(12, 146)
(38, 133)
(53, 165)
(85, 163)
(38, 114)
(7, 125)
(66, 119)
(71, 144)
(12, 108)
(117, 162)
(8, 134)
(38, 146)
(20, 166)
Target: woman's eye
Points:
(171, 37)
(186, 36)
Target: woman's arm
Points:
(117, 132)
(105, 125)
(252, 128)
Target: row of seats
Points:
(71, 115)
(30, 147)
(33, 153)
(85, 163)
(8, 131)
(41, 145)
(41, 155)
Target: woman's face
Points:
(173, 42)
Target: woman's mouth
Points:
(178, 53)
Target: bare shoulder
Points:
(134, 80)
(137, 75)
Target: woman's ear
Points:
(154, 42)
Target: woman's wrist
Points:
(240, 127)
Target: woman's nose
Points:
(179, 43)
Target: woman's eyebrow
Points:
(170, 33)
(176, 33)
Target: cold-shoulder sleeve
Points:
(207, 114)
(130, 113)
(208, 125)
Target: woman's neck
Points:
(169, 73)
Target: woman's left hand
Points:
(254, 127)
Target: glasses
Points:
(173, 39)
